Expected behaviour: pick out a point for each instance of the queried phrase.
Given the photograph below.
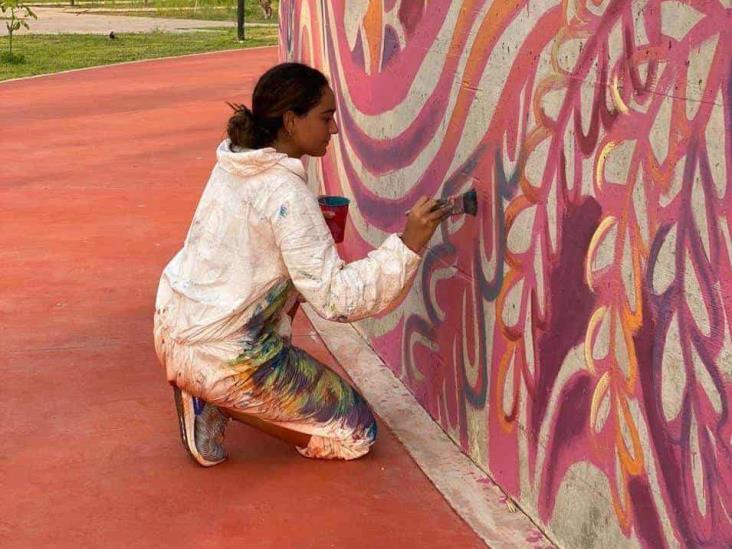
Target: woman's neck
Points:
(286, 147)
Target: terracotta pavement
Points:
(100, 171)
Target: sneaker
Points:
(202, 428)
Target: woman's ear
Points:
(288, 123)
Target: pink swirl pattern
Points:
(582, 321)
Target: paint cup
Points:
(338, 205)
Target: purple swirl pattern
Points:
(575, 338)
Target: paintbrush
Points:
(466, 203)
(458, 204)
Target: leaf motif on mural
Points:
(639, 138)
(597, 133)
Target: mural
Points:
(575, 338)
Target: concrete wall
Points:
(574, 339)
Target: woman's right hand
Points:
(422, 222)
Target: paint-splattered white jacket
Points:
(257, 225)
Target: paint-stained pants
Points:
(262, 375)
(295, 391)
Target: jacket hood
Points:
(251, 162)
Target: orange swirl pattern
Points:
(575, 338)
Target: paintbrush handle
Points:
(440, 204)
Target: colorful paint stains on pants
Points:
(576, 338)
(281, 384)
(278, 383)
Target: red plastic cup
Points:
(339, 206)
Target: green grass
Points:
(58, 52)
(216, 10)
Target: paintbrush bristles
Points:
(466, 203)
(470, 202)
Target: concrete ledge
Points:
(468, 490)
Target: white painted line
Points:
(468, 490)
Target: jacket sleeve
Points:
(336, 290)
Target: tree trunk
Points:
(240, 20)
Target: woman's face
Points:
(311, 132)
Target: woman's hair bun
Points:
(241, 126)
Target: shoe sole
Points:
(187, 423)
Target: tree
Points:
(19, 13)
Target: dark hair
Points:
(285, 87)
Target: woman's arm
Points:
(336, 290)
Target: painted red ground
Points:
(99, 174)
